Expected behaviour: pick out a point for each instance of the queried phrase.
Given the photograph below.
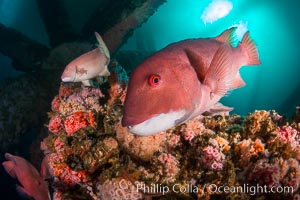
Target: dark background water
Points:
(7, 184)
(273, 25)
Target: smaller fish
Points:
(44, 171)
(32, 183)
(89, 65)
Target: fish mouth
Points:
(8, 156)
(67, 79)
(128, 121)
(155, 124)
(68, 75)
(133, 121)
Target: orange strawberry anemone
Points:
(79, 120)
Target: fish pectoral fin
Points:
(9, 168)
(228, 36)
(102, 46)
(22, 191)
(197, 62)
(218, 109)
(219, 77)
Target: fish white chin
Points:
(157, 124)
(67, 79)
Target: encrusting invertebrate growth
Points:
(91, 156)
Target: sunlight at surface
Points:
(242, 28)
(275, 83)
(9, 10)
(216, 10)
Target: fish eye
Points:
(154, 80)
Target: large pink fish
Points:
(33, 184)
(184, 80)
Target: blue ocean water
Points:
(273, 25)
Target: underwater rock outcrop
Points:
(91, 156)
(43, 64)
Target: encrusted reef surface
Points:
(91, 156)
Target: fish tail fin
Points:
(249, 48)
(238, 81)
(250, 51)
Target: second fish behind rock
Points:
(89, 65)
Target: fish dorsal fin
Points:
(218, 76)
(228, 36)
(197, 63)
(102, 46)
